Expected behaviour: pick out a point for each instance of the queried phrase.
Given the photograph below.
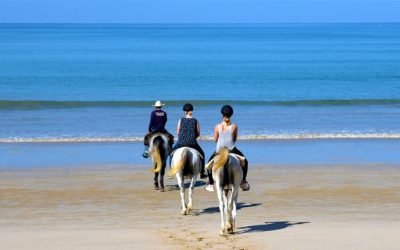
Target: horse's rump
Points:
(158, 149)
(222, 167)
(187, 157)
(176, 167)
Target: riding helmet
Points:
(188, 107)
(227, 111)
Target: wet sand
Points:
(115, 207)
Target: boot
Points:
(245, 185)
(146, 152)
(203, 174)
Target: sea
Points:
(68, 85)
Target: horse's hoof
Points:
(156, 188)
(228, 229)
(162, 189)
(183, 212)
(222, 233)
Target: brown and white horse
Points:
(227, 173)
(158, 148)
(186, 162)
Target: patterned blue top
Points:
(188, 131)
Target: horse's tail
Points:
(156, 155)
(221, 158)
(181, 163)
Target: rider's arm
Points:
(165, 119)
(178, 128)
(151, 122)
(234, 132)
(198, 130)
(216, 134)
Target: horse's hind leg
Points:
(181, 185)
(231, 212)
(190, 203)
(162, 172)
(156, 187)
(227, 211)
(220, 194)
(235, 195)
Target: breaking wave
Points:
(43, 104)
(206, 138)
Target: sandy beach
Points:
(115, 207)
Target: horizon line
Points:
(150, 23)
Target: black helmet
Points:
(188, 107)
(227, 111)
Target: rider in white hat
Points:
(158, 119)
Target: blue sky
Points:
(198, 11)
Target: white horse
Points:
(186, 162)
(158, 148)
(228, 174)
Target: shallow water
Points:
(274, 152)
(90, 82)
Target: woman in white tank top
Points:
(225, 135)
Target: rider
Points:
(158, 119)
(188, 130)
(225, 135)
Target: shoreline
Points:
(115, 207)
(289, 152)
(246, 138)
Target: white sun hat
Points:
(158, 104)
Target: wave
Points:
(44, 104)
(206, 138)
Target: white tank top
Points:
(225, 138)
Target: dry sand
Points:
(288, 207)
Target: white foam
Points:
(207, 138)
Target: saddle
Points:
(201, 157)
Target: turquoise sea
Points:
(96, 82)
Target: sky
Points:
(198, 11)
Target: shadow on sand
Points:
(239, 206)
(176, 187)
(268, 226)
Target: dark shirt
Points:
(158, 119)
(188, 131)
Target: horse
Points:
(158, 149)
(186, 162)
(227, 173)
